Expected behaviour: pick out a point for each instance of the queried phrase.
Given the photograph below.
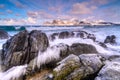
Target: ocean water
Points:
(99, 32)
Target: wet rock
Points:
(23, 47)
(38, 41)
(65, 67)
(4, 34)
(53, 36)
(91, 36)
(85, 35)
(66, 34)
(14, 50)
(43, 75)
(110, 39)
(49, 58)
(73, 67)
(111, 71)
(82, 34)
(90, 66)
(80, 48)
(102, 44)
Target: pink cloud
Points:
(39, 14)
(99, 2)
(82, 8)
(17, 3)
(9, 11)
(57, 9)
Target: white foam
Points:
(2, 42)
(13, 73)
(51, 54)
(70, 41)
(52, 28)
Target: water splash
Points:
(13, 73)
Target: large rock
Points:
(80, 48)
(4, 34)
(15, 49)
(110, 39)
(84, 67)
(102, 44)
(111, 71)
(38, 41)
(82, 34)
(66, 34)
(90, 66)
(65, 67)
(49, 58)
(85, 35)
(23, 47)
(53, 36)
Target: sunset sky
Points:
(21, 12)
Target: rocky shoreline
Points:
(31, 53)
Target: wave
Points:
(50, 29)
(12, 28)
(13, 73)
(70, 41)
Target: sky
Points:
(30, 12)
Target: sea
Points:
(100, 32)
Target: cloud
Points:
(2, 5)
(56, 9)
(82, 8)
(39, 14)
(17, 3)
(100, 2)
(111, 13)
(10, 21)
(17, 14)
(31, 20)
(9, 11)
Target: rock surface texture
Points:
(4, 34)
(23, 47)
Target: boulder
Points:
(15, 49)
(82, 67)
(38, 41)
(91, 36)
(4, 34)
(110, 39)
(65, 34)
(53, 36)
(80, 48)
(90, 66)
(66, 66)
(111, 71)
(48, 58)
(23, 47)
(102, 44)
(82, 34)
(85, 35)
